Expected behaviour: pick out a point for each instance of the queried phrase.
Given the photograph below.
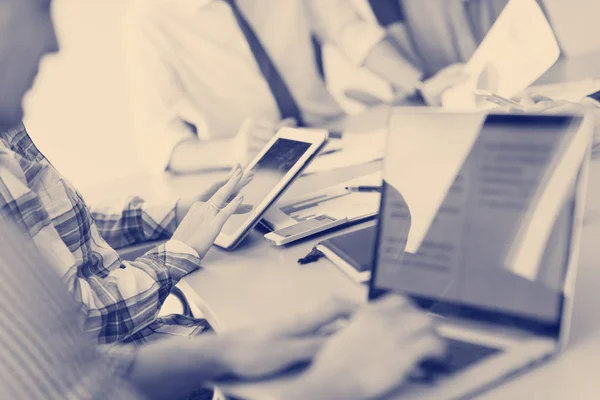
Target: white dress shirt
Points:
(189, 61)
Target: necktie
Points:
(387, 12)
(288, 108)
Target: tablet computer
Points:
(275, 168)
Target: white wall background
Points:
(77, 113)
(575, 24)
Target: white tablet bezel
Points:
(317, 139)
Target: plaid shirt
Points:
(120, 299)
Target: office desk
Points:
(258, 283)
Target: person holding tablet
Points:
(120, 299)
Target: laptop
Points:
(500, 309)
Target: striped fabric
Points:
(44, 354)
(120, 299)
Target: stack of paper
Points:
(519, 48)
(352, 149)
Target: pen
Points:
(323, 153)
(363, 188)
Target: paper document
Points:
(336, 201)
(570, 91)
(519, 48)
(352, 149)
(428, 153)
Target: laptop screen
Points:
(481, 248)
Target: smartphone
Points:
(497, 99)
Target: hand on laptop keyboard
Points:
(374, 353)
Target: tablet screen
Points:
(268, 172)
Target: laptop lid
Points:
(494, 204)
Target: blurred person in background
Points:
(433, 37)
(433, 34)
(120, 299)
(213, 80)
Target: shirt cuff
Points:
(179, 258)
(358, 38)
(120, 358)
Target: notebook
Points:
(351, 252)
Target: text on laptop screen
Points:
(466, 254)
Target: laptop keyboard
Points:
(459, 356)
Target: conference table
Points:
(259, 283)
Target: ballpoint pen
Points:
(363, 188)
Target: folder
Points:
(351, 252)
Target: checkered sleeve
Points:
(127, 296)
(17, 202)
(132, 220)
(118, 298)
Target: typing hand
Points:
(269, 349)
(237, 355)
(185, 204)
(372, 355)
(255, 134)
(204, 220)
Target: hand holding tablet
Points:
(185, 204)
(204, 220)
